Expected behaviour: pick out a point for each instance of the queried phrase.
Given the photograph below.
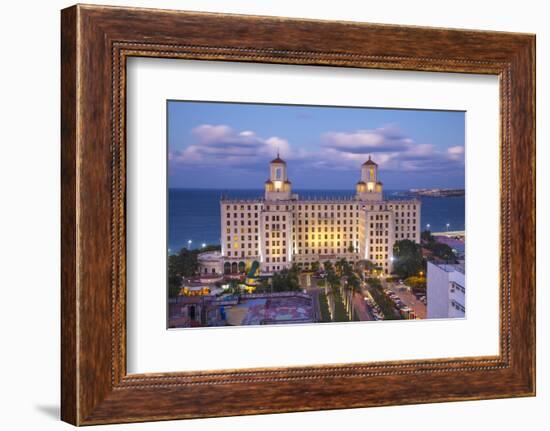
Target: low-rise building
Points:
(210, 262)
(446, 290)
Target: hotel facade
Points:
(282, 228)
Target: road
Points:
(309, 283)
(361, 308)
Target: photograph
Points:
(297, 214)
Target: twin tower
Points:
(279, 188)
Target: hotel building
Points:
(282, 228)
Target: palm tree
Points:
(234, 287)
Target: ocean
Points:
(194, 214)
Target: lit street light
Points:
(428, 226)
(189, 243)
(448, 224)
(203, 245)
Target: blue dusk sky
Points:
(229, 145)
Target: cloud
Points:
(219, 144)
(383, 139)
(392, 150)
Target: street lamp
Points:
(189, 243)
(448, 224)
(428, 226)
(203, 245)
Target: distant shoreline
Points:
(431, 192)
(436, 193)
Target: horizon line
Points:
(321, 189)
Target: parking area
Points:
(405, 299)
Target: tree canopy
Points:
(184, 264)
(180, 265)
(407, 258)
(286, 280)
(443, 251)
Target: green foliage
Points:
(408, 258)
(286, 280)
(427, 237)
(366, 265)
(174, 284)
(354, 283)
(343, 267)
(184, 264)
(264, 286)
(385, 303)
(180, 265)
(315, 266)
(333, 280)
(210, 247)
(340, 314)
(443, 251)
(234, 287)
(323, 306)
(416, 282)
(374, 282)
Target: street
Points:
(361, 308)
(407, 298)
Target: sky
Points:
(229, 145)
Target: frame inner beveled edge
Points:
(123, 49)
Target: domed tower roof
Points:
(278, 160)
(369, 162)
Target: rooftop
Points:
(451, 267)
(369, 162)
(210, 256)
(322, 199)
(278, 160)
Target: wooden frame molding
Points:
(95, 42)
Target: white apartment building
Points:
(446, 291)
(281, 228)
